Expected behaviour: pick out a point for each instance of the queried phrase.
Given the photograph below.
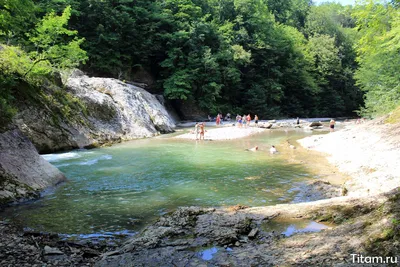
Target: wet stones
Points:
(18, 248)
(253, 233)
(51, 251)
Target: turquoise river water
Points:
(119, 189)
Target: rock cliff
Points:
(23, 172)
(113, 111)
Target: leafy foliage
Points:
(378, 56)
(23, 69)
(267, 57)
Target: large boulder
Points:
(23, 172)
(114, 112)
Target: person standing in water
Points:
(218, 120)
(248, 119)
(256, 120)
(332, 125)
(273, 150)
(202, 130)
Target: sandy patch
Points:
(224, 133)
(314, 162)
(364, 152)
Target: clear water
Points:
(208, 254)
(291, 227)
(119, 189)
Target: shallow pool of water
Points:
(293, 226)
(119, 189)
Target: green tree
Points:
(56, 44)
(378, 55)
(15, 17)
(331, 40)
(23, 71)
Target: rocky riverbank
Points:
(365, 223)
(27, 249)
(330, 232)
(240, 236)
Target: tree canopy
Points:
(266, 57)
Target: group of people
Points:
(241, 121)
(244, 121)
(220, 118)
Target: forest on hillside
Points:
(267, 57)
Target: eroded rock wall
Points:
(115, 111)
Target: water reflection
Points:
(208, 253)
(291, 227)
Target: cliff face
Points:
(115, 111)
(23, 172)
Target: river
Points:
(119, 189)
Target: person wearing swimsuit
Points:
(202, 130)
(332, 125)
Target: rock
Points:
(315, 124)
(89, 252)
(253, 233)
(266, 126)
(22, 169)
(244, 239)
(76, 73)
(114, 112)
(110, 253)
(52, 251)
(237, 244)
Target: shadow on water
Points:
(126, 186)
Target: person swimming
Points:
(254, 149)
